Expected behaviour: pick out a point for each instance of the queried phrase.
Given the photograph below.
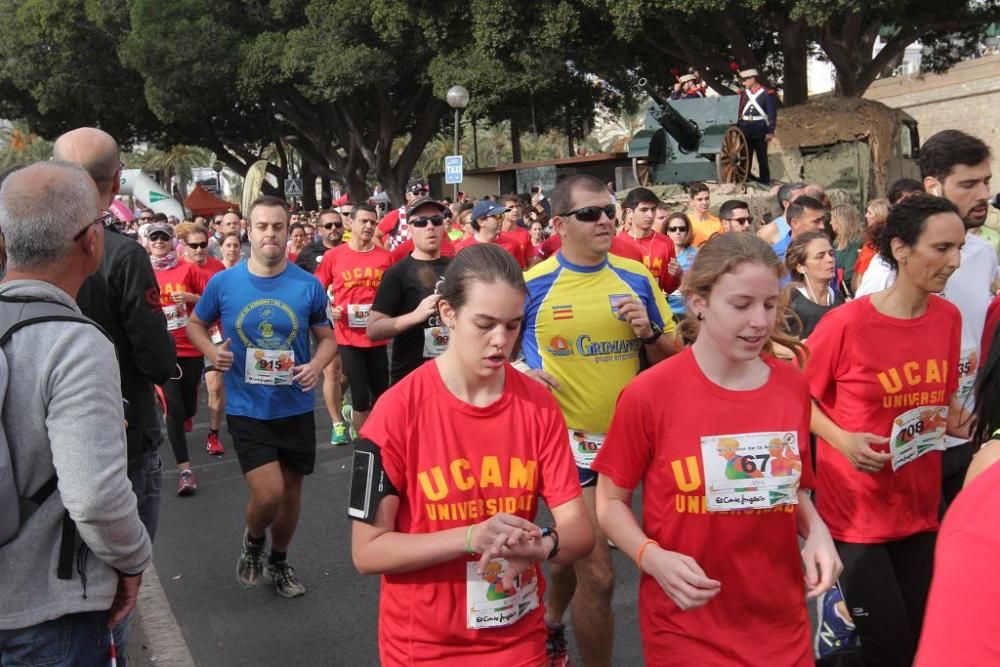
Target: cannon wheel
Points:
(640, 171)
(733, 159)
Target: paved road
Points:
(335, 623)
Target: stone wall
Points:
(966, 98)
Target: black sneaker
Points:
(286, 584)
(251, 562)
(555, 645)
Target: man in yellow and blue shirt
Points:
(587, 316)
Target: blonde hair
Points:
(723, 254)
(850, 224)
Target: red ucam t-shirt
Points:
(618, 247)
(962, 622)
(759, 616)
(406, 247)
(211, 267)
(508, 243)
(354, 276)
(872, 373)
(451, 470)
(657, 250)
(520, 236)
(184, 277)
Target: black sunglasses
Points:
(677, 229)
(743, 221)
(591, 213)
(436, 220)
(104, 220)
(333, 225)
(159, 236)
(203, 244)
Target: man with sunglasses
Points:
(589, 317)
(393, 230)
(735, 216)
(405, 307)
(486, 221)
(351, 274)
(331, 234)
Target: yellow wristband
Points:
(468, 541)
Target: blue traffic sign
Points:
(453, 169)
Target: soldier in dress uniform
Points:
(688, 86)
(758, 115)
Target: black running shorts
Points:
(290, 440)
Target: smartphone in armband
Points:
(369, 483)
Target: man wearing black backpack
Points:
(60, 596)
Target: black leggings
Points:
(367, 371)
(182, 404)
(885, 587)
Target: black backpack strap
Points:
(47, 313)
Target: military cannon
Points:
(690, 140)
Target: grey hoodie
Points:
(63, 413)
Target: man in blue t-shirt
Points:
(266, 308)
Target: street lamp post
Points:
(458, 99)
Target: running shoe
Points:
(555, 645)
(835, 633)
(286, 584)
(214, 446)
(338, 434)
(186, 484)
(251, 562)
(347, 412)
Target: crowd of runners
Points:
(807, 403)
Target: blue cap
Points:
(486, 208)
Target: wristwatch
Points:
(657, 332)
(555, 536)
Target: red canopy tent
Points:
(204, 203)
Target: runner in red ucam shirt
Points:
(658, 252)
(724, 494)
(963, 610)
(195, 240)
(351, 274)
(883, 372)
(181, 284)
(444, 507)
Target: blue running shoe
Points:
(835, 633)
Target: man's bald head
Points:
(97, 152)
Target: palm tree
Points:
(173, 163)
(613, 133)
(19, 146)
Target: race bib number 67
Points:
(751, 470)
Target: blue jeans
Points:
(74, 640)
(146, 479)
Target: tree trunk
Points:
(308, 176)
(794, 49)
(515, 141)
(326, 189)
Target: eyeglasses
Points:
(677, 229)
(591, 213)
(105, 219)
(333, 225)
(743, 221)
(436, 220)
(159, 236)
(197, 246)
